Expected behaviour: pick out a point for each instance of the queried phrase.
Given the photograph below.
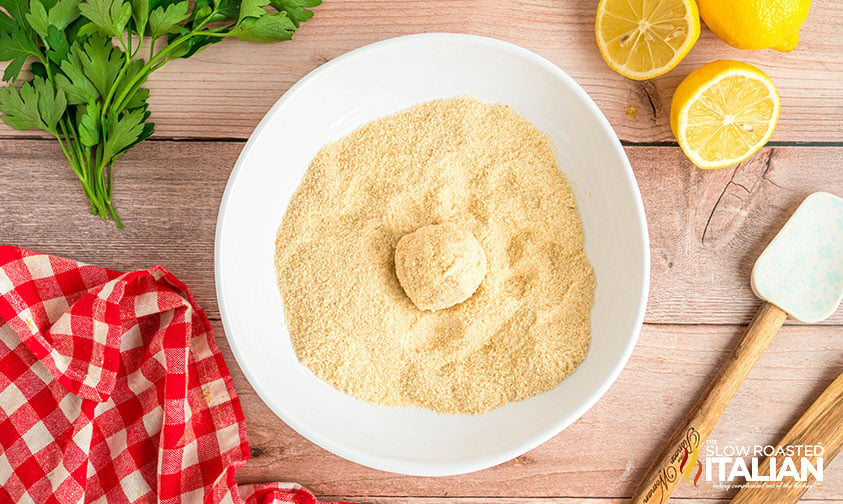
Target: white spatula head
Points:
(801, 270)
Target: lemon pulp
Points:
(724, 112)
(642, 39)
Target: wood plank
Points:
(167, 194)
(604, 453)
(531, 500)
(706, 228)
(224, 91)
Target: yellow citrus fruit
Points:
(724, 112)
(642, 39)
(756, 24)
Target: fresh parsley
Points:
(91, 58)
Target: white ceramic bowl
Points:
(372, 82)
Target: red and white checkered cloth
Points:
(112, 389)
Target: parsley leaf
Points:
(163, 21)
(123, 131)
(16, 47)
(51, 103)
(101, 62)
(227, 9)
(88, 70)
(7, 24)
(89, 124)
(37, 17)
(140, 15)
(17, 10)
(58, 44)
(201, 10)
(146, 132)
(20, 113)
(139, 97)
(63, 13)
(37, 105)
(252, 8)
(267, 28)
(72, 80)
(50, 26)
(296, 9)
(109, 16)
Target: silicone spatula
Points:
(800, 274)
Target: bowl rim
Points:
(404, 466)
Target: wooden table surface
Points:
(706, 229)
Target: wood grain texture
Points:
(224, 91)
(536, 500)
(666, 471)
(169, 193)
(821, 424)
(604, 453)
(706, 228)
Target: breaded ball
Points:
(439, 265)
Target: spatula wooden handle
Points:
(666, 472)
(822, 423)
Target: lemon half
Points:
(756, 24)
(642, 39)
(724, 112)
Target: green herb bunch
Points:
(91, 58)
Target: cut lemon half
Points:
(642, 39)
(724, 112)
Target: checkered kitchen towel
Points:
(112, 389)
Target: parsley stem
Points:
(73, 153)
(144, 72)
(113, 211)
(151, 48)
(88, 114)
(141, 76)
(82, 180)
(74, 144)
(114, 215)
(138, 47)
(114, 87)
(218, 31)
(74, 161)
(72, 137)
(97, 158)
